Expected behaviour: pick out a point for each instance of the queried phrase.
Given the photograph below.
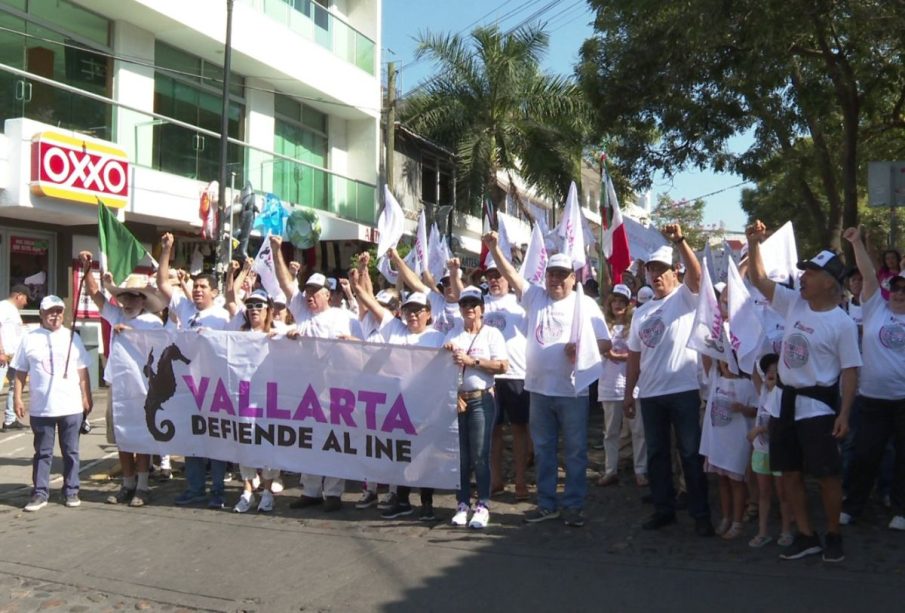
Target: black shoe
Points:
(427, 513)
(703, 527)
(400, 509)
(659, 520)
(804, 546)
(832, 548)
(303, 502)
(15, 425)
(332, 503)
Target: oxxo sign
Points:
(79, 169)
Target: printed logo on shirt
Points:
(721, 408)
(796, 350)
(495, 320)
(443, 324)
(652, 331)
(892, 335)
(548, 331)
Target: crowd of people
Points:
(825, 397)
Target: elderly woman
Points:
(480, 352)
(881, 389)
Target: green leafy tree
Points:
(490, 103)
(812, 82)
(688, 214)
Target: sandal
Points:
(607, 480)
(641, 480)
(734, 531)
(785, 539)
(724, 525)
(759, 541)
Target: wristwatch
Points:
(679, 240)
(477, 363)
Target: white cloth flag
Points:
(570, 230)
(534, 264)
(384, 413)
(779, 254)
(588, 363)
(745, 325)
(264, 268)
(422, 254)
(708, 334)
(390, 227)
(713, 266)
(615, 222)
(642, 241)
(437, 252)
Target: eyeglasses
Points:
(255, 306)
(413, 310)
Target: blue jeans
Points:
(550, 417)
(475, 429)
(195, 469)
(44, 429)
(9, 415)
(679, 411)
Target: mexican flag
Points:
(120, 250)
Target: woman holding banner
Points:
(480, 351)
(254, 315)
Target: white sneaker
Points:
(244, 504)
(897, 523)
(480, 518)
(266, 505)
(845, 519)
(277, 486)
(460, 519)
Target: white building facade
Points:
(121, 100)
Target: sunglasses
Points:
(255, 306)
(470, 304)
(415, 310)
(493, 275)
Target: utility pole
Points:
(390, 125)
(222, 205)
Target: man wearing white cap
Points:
(556, 407)
(818, 374)
(314, 317)
(60, 398)
(665, 371)
(444, 302)
(199, 312)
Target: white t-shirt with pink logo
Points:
(816, 346)
(660, 331)
(547, 369)
(487, 344)
(883, 373)
(506, 315)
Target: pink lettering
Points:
(197, 392)
(398, 418)
(371, 400)
(245, 408)
(342, 403)
(310, 407)
(273, 411)
(221, 400)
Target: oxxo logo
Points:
(79, 169)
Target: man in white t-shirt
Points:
(444, 296)
(11, 332)
(503, 312)
(135, 308)
(556, 406)
(818, 373)
(314, 317)
(199, 312)
(60, 398)
(665, 371)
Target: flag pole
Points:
(75, 314)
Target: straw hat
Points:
(138, 284)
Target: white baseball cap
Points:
(559, 260)
(416, 298)
(622, 290)
(471, 293)
(663, 255)
(645, 294)
(52, 302)
(317, 279)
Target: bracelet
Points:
(679, 240)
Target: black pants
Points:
(880, 421)
(427, 494)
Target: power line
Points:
(204, 78)
(719, 191)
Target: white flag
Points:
(534, 264)
(422, 256)
(588, 363)
(390, 227)
(745, 325)
(437, 252)
(570, 230)
(264, 268)
(707, 334)
(780, 254)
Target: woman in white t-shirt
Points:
(480, 351)
(611, 391)
(881, 389)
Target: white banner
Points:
(361, 411)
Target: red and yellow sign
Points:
(79, 169)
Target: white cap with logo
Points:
(52, 302)
(559, 260)
(317, 279)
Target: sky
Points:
(568, 24)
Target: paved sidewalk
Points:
(164, 558)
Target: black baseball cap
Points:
(826, 261)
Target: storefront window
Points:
(63, 42)
(29, 263)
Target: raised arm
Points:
(91, 286)
(288, 284)
(515, 280)
(756, 273)
(363, 288)
(673, 233)
(234, 282)
(408, 275)
(163, 271)
(454, 266)
(864, 263)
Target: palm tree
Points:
(491, 104)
